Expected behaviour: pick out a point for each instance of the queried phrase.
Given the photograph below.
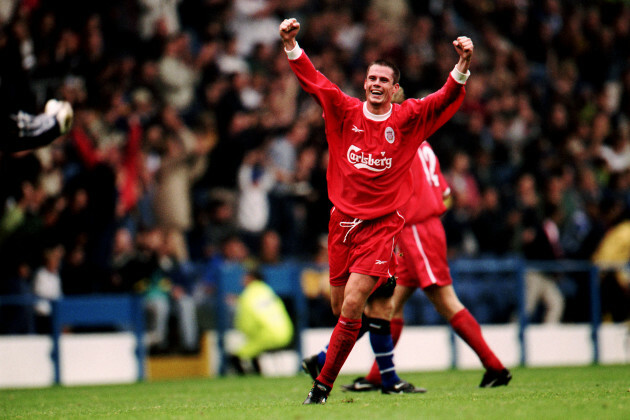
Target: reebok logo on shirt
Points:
(367, 161)
(357, 129)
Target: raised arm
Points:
(464, 47)
(325, 92)
(436, 109)
(289, 29)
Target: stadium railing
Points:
(486, 286)
(483, 285)
(122, 312)
(18, 305)
(500, 283)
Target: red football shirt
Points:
(370, 155)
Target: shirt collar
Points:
(374, 117)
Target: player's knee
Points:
(352, 307)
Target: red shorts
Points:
(361, 246)
(423, 261)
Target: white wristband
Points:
(295, 53)
(459, 76)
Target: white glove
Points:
(62, 111)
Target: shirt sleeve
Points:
(460, 77)
(326, 93)
(433, 111)
(295, 53)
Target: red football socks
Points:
(341, 343)
(396, 326)
(467, 327)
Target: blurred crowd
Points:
(193, 143)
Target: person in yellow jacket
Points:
(263, 319)
(613, 258)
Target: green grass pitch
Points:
(591, 392)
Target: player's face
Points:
(379, 86)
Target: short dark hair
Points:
(386, 63)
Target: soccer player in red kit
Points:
(371, 146)
(423, 264)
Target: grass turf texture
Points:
(592, 392)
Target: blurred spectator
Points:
(255, 180)
(232, 250)
(258, 16)
(584, 228)
(491, 229)
(459, 230)
(182, 162)
(178, 74)
(152, 270)
(318, 206)
(158, 13)
(102, 151)
(47, 286)
(182, 303)
(21, 201)
(263, 319)
(24, 236)
(74, 220)
(125, 270)
(613, 256)
(270, 248)
(463, 183)
(465, 204)
(541, 242)
(229, 61)
(111, 178)
(221, 214)
(76, 274)
(306, 165)
(54, 161)
(281, 103)
(17, 319)
(616, 151)
(238, 132)
(283, 154)
(316, 287)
